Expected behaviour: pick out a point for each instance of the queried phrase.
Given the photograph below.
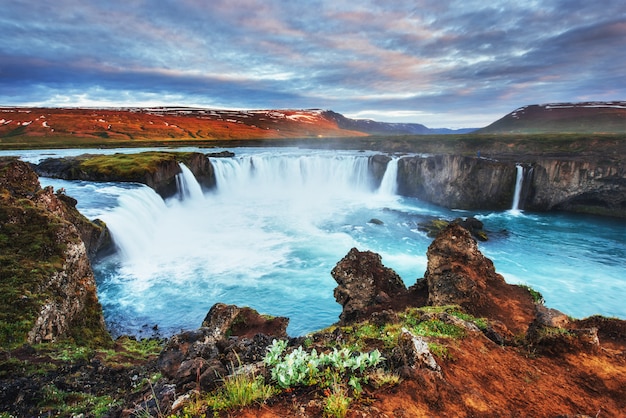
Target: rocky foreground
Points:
(458, 342)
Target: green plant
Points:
(438, 328)
(238, 391)
(439, 350)
(337, 402)
(534, 294)
(379, 378)
(305, 368)
(71, 353)
(60, 403)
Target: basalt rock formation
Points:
(364, 285)
(456, 181)
(229, 336)
(48, 288)
(157, 170)
(588, 185)
(597, 187)
(459, 274)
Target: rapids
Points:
(280, 219)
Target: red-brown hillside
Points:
(584, 117)
(165, 124)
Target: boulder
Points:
(365, 285)
(229, 320)
(229, 336)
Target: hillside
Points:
(584, 117)
(28, 127)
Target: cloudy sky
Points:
(443, 63)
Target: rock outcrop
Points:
(459, 274)
(157, 170)
(587, 185)
(597, 187)
(457, 181)
(364, 285)
(229, 336)
(49, 291)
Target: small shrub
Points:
(379, 378)
(238, 391)
(306, 368)
(534, 294)
(337, 402)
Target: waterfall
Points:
(187, 185)
(389, 183)
(134, 221)
(311, 175)
(519, 182)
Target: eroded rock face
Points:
(457, 181)
(595, 186)
(365, 285)
(578, 186)
(48, 267)
(161, 178)
(459, 274)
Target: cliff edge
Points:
(48, 291)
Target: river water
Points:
(280, 219)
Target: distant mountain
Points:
(385, 128)
(183, 123)
(584, 117)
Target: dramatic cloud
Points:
(441, 63)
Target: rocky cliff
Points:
(588, 185)
(597, 187)
(457, 181)
(48, 290)
(157, 170)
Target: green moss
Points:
(129, 166)
(58, 402)
(421, 321)
(30, 252)
(33, 242)
(534, 294)
(129, 350)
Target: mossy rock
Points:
(433, 227)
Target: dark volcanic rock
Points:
(457, 181)
(365, 285)
(378, 165)
(229, 335)
(459, 274)
(230, 320)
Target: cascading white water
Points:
(274, 223)
(519, 182)
(133, 223)
(278, 222)
(188, 186)
(389, 183)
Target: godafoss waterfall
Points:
(277, 222)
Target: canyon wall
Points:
(597, 187)
(457, 182)
(460, 182)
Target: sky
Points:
(442, 63)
